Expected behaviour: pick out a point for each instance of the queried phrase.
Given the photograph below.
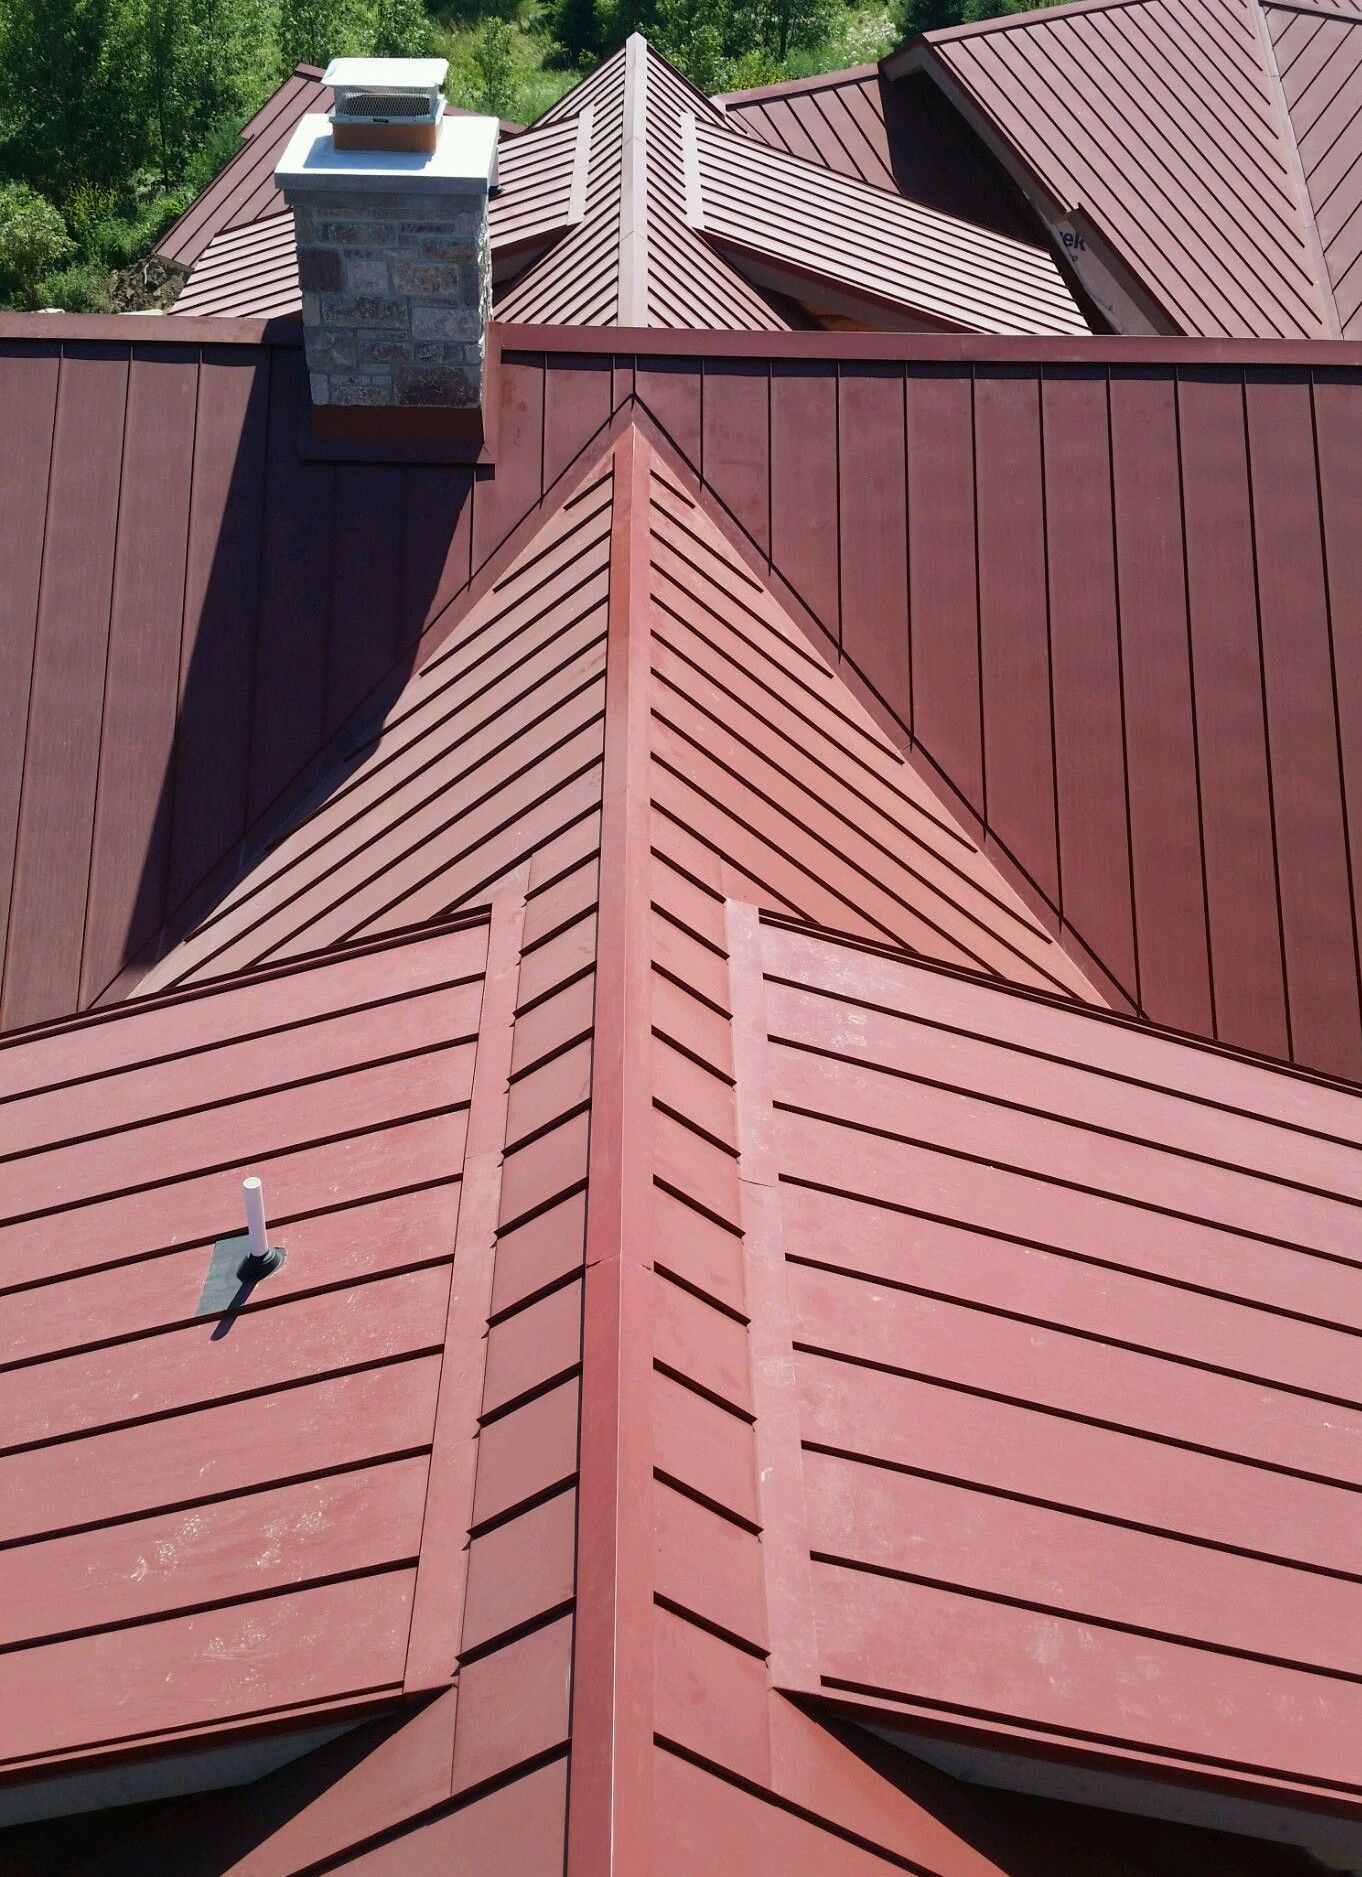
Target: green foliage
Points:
(402, 30)
(33, 238)
(70, 109)
(926, 16)
(118, 112)
(494, 61)
(312, 32)
(82, 289)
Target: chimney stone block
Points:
(319, 270)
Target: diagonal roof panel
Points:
(858, 242)
(1318, 55)
(493, 752)
(836, 119)
(1105, 104)
(244, 191)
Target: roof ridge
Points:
(1295, 169)
(632, 292)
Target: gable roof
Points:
(1103, 105)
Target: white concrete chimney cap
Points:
(386, 74)
(463, 162)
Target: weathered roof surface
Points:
(1070, 1473)
(251, 271)
(172, 1562)
(1106, 105)
(866, 251)
(1319, 59)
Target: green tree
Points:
(313, 32)
(69, 93)
(402, 30)
(789, 25)
(33, 239)
(927, 16)
(193, 72)
(578, 29)
(494, 63)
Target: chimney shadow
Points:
(320, 579)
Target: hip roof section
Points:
(1106, 106)
(637, 202)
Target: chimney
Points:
(389, 200)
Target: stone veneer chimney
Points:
(393, 256)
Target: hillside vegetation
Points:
(115, 113)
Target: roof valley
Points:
(1295, 170)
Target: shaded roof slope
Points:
(1157, 744)
(170, 570)
(1106, 104)
(836, 119)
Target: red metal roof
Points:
(1064, 691)
(635, 202)
(202, 1500)
(1104, 106)
(492, 755)
(1068, 1469)
(251, 271)
(1318, 59)
(837, 242)
(244, 192)
(648, 676)
(836, 119)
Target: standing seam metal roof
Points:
(1107, 104)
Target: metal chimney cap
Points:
(386, 74)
